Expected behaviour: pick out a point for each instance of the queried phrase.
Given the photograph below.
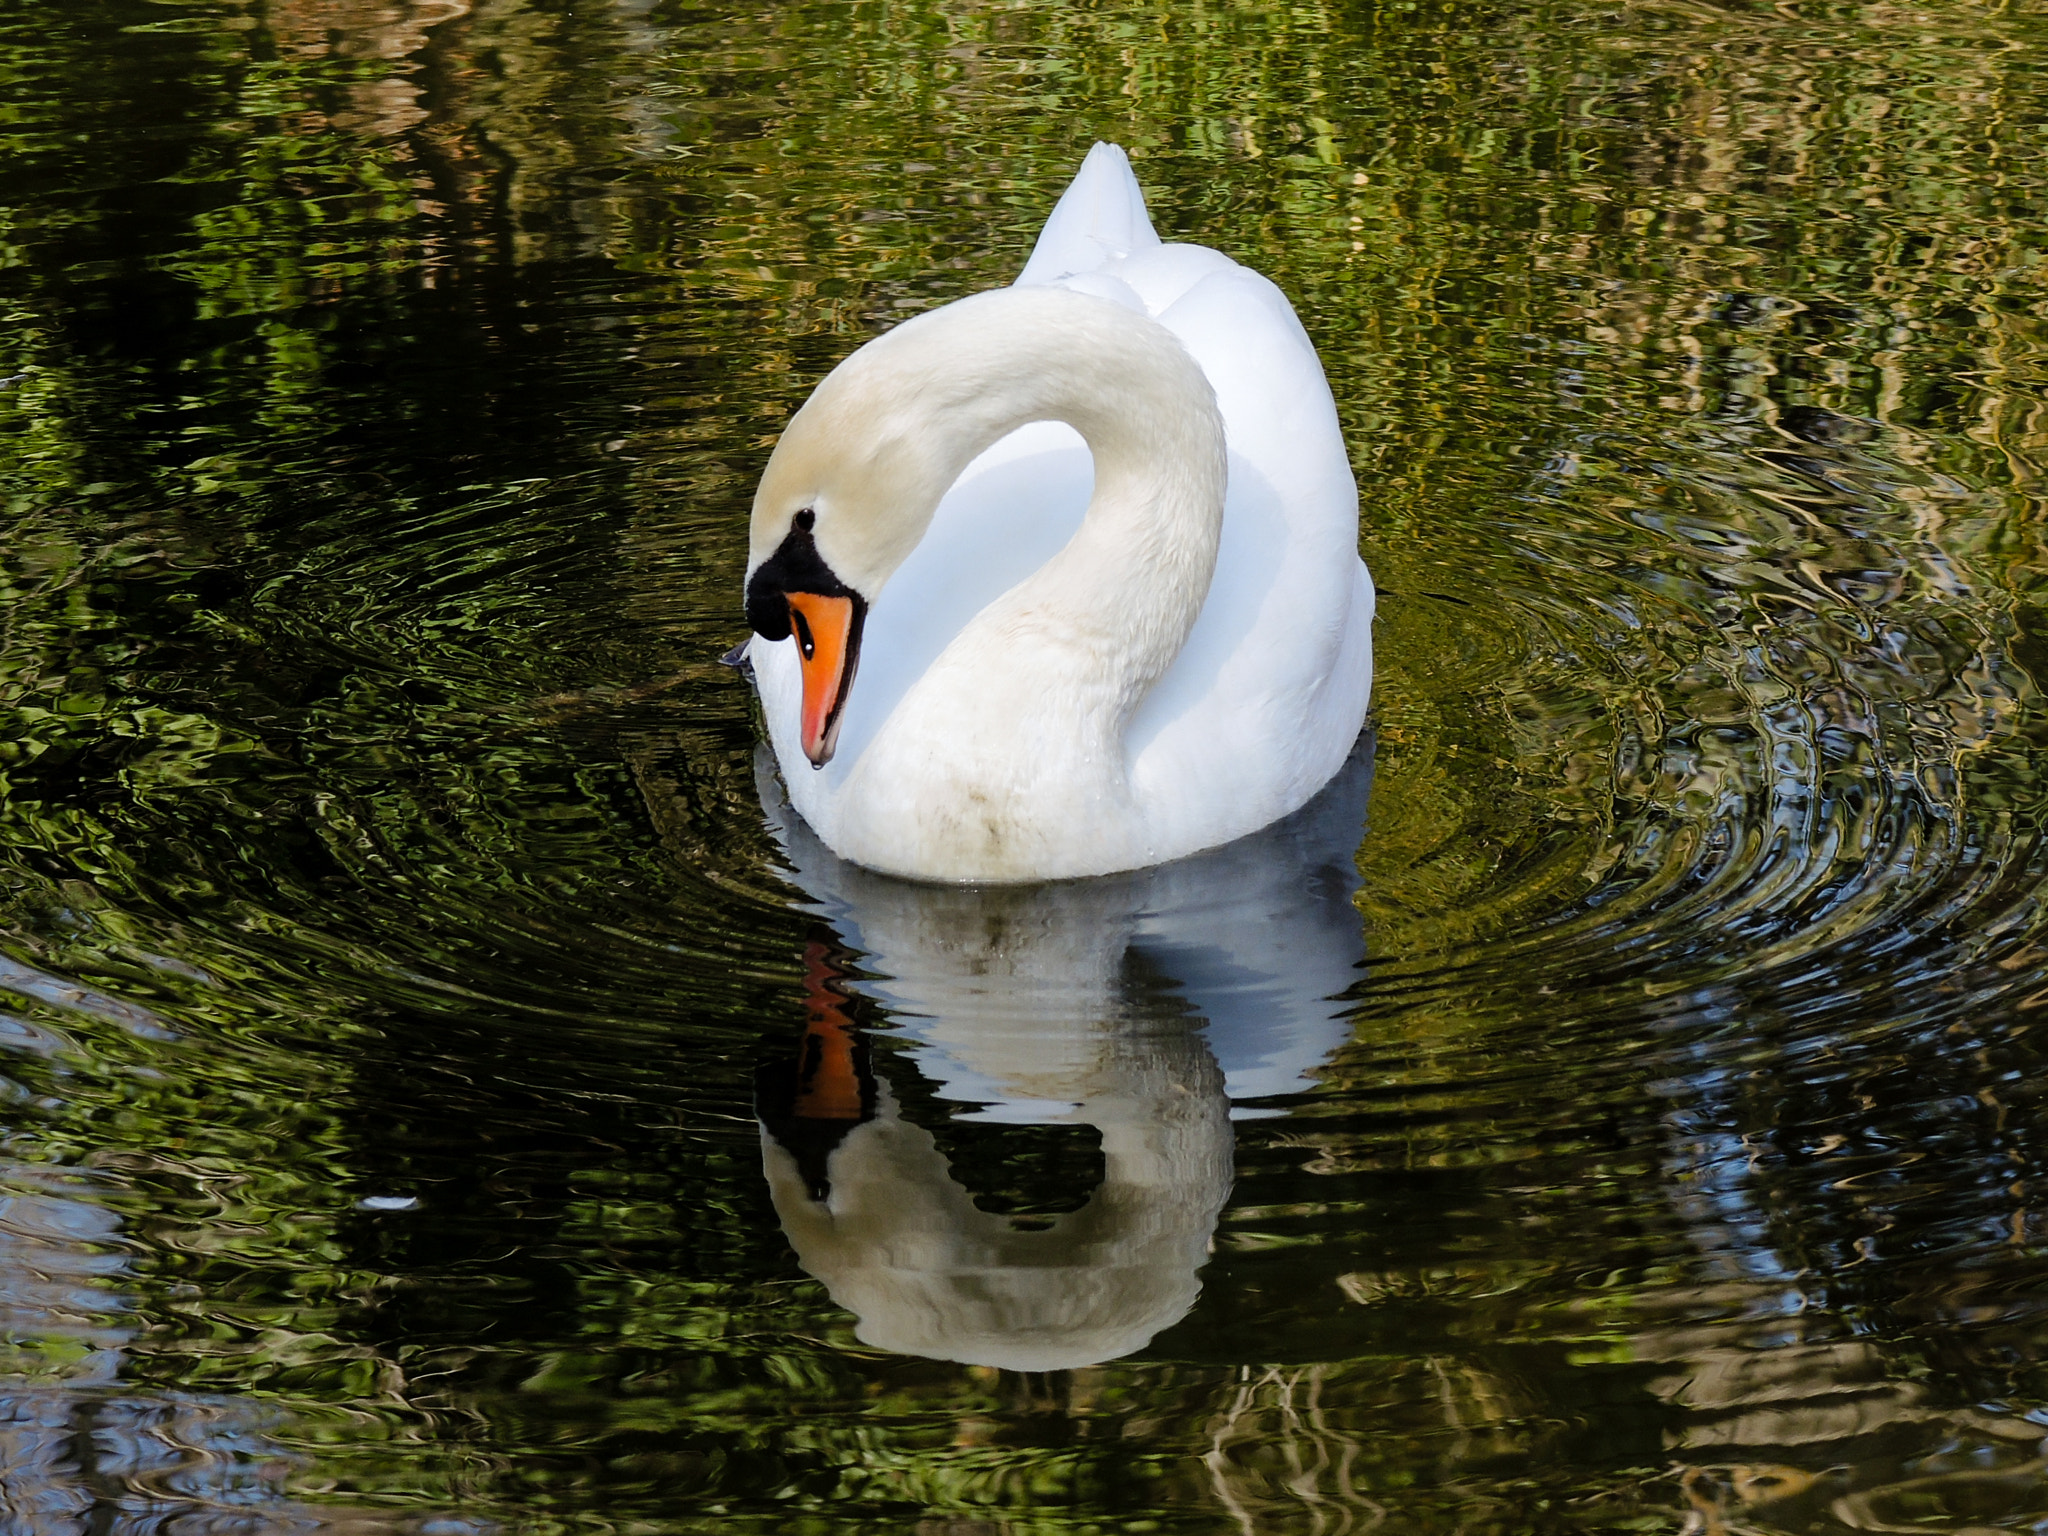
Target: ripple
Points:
(397, 927)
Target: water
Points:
(1616, 1107)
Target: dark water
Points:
(1629, 1120)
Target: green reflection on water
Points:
(377, 824)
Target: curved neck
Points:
(898, 422)
(1112, 609)
(1129, 585)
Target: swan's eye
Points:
(801, 625)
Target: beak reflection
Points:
(1135, 1008)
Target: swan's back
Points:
(1265, 700)
(1099, 219)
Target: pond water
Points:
(1616, 1106)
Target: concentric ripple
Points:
(425, 1036)
(1795, 693)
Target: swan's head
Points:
(795, 590)
(851, 488)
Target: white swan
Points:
(1076, 651)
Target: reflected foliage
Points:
(392, 923)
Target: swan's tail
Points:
(1100, 218)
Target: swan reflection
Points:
(1141, 1005)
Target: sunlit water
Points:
(446, 1092)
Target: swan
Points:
(1062, 579)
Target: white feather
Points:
(960, 690)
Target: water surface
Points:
(1616, 1107)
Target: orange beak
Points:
(827, 631)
